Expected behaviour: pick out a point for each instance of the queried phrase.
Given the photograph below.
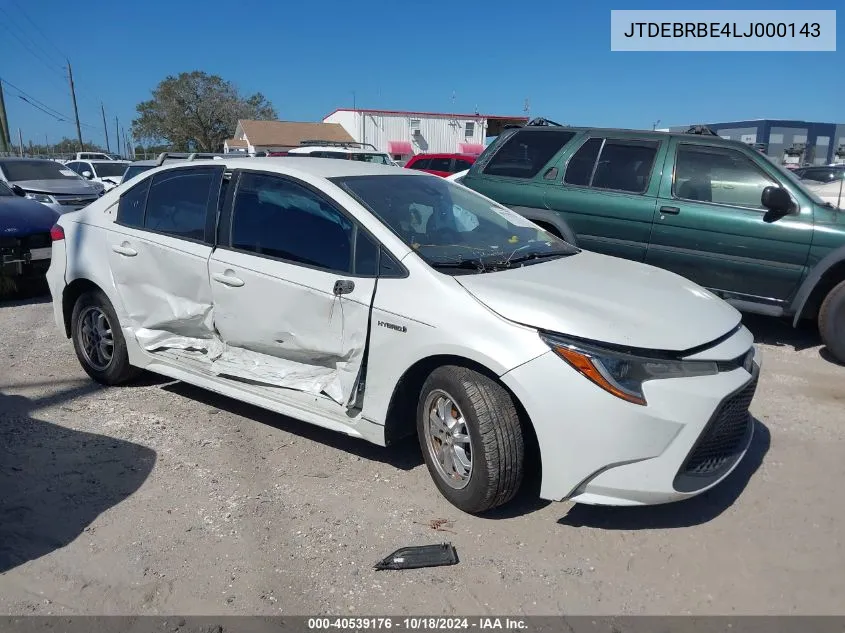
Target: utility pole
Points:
(5, 140)
(47, 145)
(125, 146)
(117, 133)
(20, 142)
(105, 127)
(75, 110)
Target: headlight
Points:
(621, 373)
(40, 197)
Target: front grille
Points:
(75, 201)
(721, 443)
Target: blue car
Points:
(25, 243)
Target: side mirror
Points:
(778, 203)
(18, 191)
(87, 174)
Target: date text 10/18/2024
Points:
(416, 624)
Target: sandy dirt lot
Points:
(160, 498)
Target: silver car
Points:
(49, 183)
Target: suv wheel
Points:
(98, 340)
(471, 438)
(832, 321)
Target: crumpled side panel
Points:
(233, 362)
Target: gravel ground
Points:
(160, 498)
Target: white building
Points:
(403, 134)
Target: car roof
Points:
(320, 167)
(444, 155)
(103, 160)
(642, 134)
(330, 148)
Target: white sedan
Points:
(383, 302)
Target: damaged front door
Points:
(291, 298)
(158, 252)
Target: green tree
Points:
(196, 110)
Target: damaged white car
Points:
(383, 302)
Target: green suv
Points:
(715, 211)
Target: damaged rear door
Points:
(159, 247)
(292, 279)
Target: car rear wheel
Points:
(98, 340)
(471, 438)
(832, 322)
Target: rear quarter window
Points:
(526, 152)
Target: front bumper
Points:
(598, 449)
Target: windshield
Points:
(134, 170)
(112, 169)
(380, 159)
(795, 180)
(450, 226)
(5, 190)
(18, 170)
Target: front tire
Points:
(832, 321)
(98, 340)
(471, 438)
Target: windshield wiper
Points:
(533, 256)
(463, 264)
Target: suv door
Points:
(159, 246)
(293, 279)
(608, 194)
(709, 225)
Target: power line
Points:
(35, 103)
(43, 59)
(37, 28)
(29, 96)
(22, 98)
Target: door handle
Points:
(228, 279)
(670, 210)
(124, 249)
(343, 287)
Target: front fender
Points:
(805, 290)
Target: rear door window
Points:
(178, 202)
(625, 165)
(526, 152)
(422, 163)
(579, 171)
(440, 164)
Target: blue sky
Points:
(308, 58)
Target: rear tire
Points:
(471, 438)
(98, 340)
(832, 321)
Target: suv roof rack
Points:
(322, 143)
(540, 121)
(702, 130)
(185, 156)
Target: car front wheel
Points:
(832, 321)
(471, 438)
(98, 340)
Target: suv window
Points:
(718, 174)
(625, 165)
(580, 167)
(279, 218)
(422, 163)
(441, 164)
(822, 174)
(525, 153)
(177, 203)
(130, 209)
(461, 164)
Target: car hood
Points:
(56, 185)
(20, 217)
(606, 299)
